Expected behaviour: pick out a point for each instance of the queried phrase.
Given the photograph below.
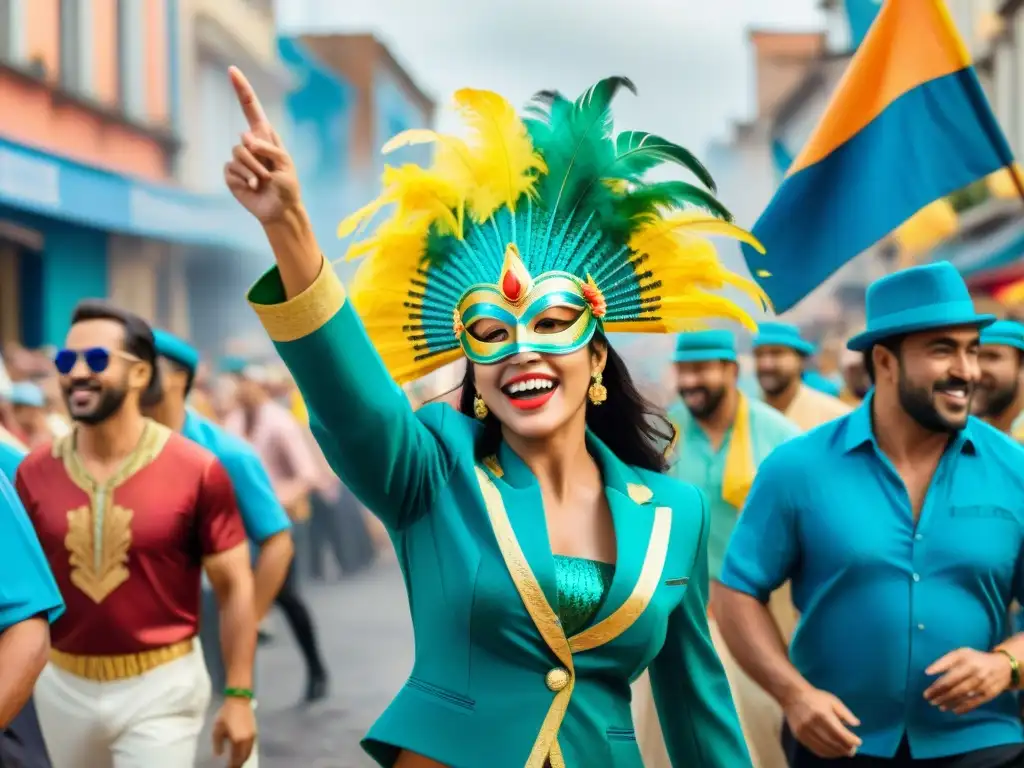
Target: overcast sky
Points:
(692, 65)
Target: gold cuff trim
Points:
(306, 313)
(106, 669)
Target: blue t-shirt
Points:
(883, 596)
(27, 587)
(262, 514)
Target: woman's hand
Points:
(261, 174)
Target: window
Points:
(71, 44)
(7, 30)
(131, 61)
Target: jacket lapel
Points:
(525, 507)
(642, 532)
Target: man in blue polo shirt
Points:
(901, 526)
(265, 520)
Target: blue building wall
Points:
(72, 266)
(319, 113)
(396, 112)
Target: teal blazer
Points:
(495, 681)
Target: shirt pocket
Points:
(982, 512)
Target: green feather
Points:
(576, 142)
(670, 194)
(642, 204)
(637, 152)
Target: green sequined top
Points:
(582, 587)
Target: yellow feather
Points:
(410, 138)
(351, 222)
(693, 223)
(502, 156)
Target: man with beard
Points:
(901, 527)
(129, 514)
(266, 523)
(780, 356)
(722, 437)
(998, 399)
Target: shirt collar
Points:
(859, 430)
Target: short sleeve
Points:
(262, 514)
(219, 521)
(27, 587)
(764, 548)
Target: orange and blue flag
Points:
(908, 124)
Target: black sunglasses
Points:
(96, 358)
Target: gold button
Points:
(556, 679)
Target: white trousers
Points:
(150, 721)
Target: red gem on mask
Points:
(511, 287)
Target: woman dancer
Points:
(547, 560)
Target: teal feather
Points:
(637, 152)
(646, 200)
(576, 142)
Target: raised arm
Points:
(691, 692)
(364, 424)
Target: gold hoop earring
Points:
(480, 409)
(597, 392)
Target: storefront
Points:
(70, 231)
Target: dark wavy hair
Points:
(633, 428)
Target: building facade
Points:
(216, 34)
(90, 120)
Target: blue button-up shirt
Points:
(262, 514)
(880, 597)
(27, 587)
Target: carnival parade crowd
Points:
(807, 570)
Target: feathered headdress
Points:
(529, 213)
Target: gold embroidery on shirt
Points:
(99, 534)
(99, 550)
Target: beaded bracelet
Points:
(238, 693)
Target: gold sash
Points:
(738, 474)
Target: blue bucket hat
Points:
(1007, 333)
(782, 335)
(917, 299)
(698, 346)
(170, 346)
(28, 394)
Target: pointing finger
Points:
(247, 99)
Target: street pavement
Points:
(366, 639)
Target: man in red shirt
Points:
(129, 514)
